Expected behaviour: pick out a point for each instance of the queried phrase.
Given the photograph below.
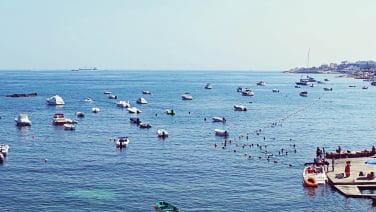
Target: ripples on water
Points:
(86, 172)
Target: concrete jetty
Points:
(357, 184)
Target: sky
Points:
(184, 34)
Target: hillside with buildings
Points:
(359, 69)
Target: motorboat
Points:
(107, 92)
(141, 100)
(365, 87)
(145, 125)
(303, 93)
(133, 110)
(275, 90)
(314, 174)
(240, 108)
(135, 120)
(146, 92)
(122, 142)
(164, 206)
(59, 119)
(162, 133)
(88, 99)
(170, 112)
(261, 83)
(208, 86)
(221, 132)
(123, 104)
(22, 120)
(55, 100)
(218, 119)
(69, 127)
(4, 148)
(80, 114)
(112, 97)
(187, 96)
(95, 109)
(248, 92)
(328, 89)
(302, 82)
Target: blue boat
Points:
(164, 206)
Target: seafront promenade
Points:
(357, 184)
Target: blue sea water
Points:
(86, 172)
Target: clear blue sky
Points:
(184, 34)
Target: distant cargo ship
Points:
(85, 69)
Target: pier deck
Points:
(354, 185)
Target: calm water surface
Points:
(85, 171)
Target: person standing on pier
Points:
(347, 169)
(333, 162)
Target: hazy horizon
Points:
(240, 35)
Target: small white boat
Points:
(59, 119)
(145, 125)
(146, 92)
(220, 132)
(328, 89)
(69, 127)
(112, 97)
(22, 120)
(80, 114)
(303, 93)
(187, 96)
(248, 92)
(314, 174)
(134, 110)
(95, 110)
(107, 92)
(4, 148)
(123, 104)
(141, 101)
(261, 83)
(55, 100)
(162, 133)
(88, 99)
(122, 142)
(218, 119)
(240, 108)
(275, 90)
(208, 86)
(365, 87)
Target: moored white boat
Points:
(187, 96)
(162, 133)
(261, 83)
(95, 110)
(145, 125)
(141, 100)
(59, 119)
(55, 100)
(208, 86)
(107, 92)
(4, 148)
(221, 132)
(80, 114)
(122, 142)
(88, 99)
(123, 104)
(328, 89)
(218, 119)
(133, 110)
(240, 108)
(275, 90)
(22, 120)
(248, 92)
(69, 127)
(303, 93)
(112, 97)
(146, 92)
(314, 174)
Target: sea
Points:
(258, 167)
